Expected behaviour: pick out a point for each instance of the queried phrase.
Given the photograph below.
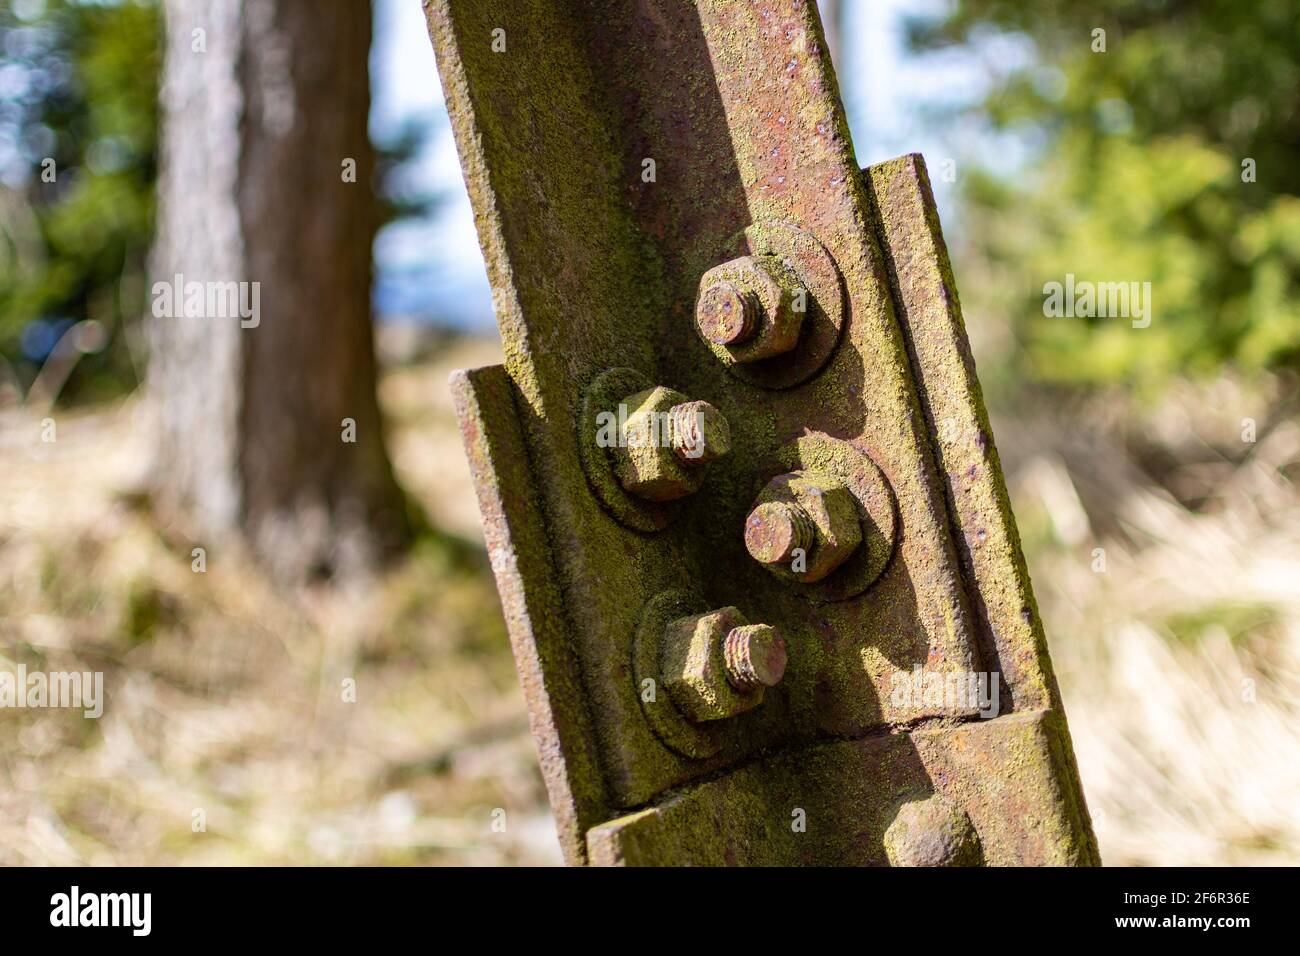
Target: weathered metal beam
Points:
(667, 196)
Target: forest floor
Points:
(1171, 595)
(225, 738)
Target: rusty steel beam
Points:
(717, 629)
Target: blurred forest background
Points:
(1152, 469)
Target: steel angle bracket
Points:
(616, 152)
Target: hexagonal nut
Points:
(748, 307)
(828, 506)
(645, 459)
(932, 831)
(694, 669)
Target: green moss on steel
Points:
(832, 803)
(593, 269)
(1011, 626)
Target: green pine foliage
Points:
(1169, 158)
(81, 110)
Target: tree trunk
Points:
(267, 413)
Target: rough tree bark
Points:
(265, 106)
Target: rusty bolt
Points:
(700, 434)
(803, 526)
(750, 306)
(755, 657)
(663, 440)
(932, 832)
(725, 314)
(776, 530)
(717, 665)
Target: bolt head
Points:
(832, 529)
(747, 305)
(932, 832)
(693, 664)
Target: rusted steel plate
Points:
(561, 112)
(929, 309)
(517, 547)
(778, 809)
(1008, 624)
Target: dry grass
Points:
(225, 695)
(1179, 663)
(1179, 657)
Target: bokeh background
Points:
(1152, 470)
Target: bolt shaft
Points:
(755, 657)
(699, 433)
(727, 315)
(775, 530)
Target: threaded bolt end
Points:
(775, 530)
(700, 433)
(754, 656)
(726, 314)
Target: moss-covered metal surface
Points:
(770, 812)
(557, 105)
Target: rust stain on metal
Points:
(597, 274)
